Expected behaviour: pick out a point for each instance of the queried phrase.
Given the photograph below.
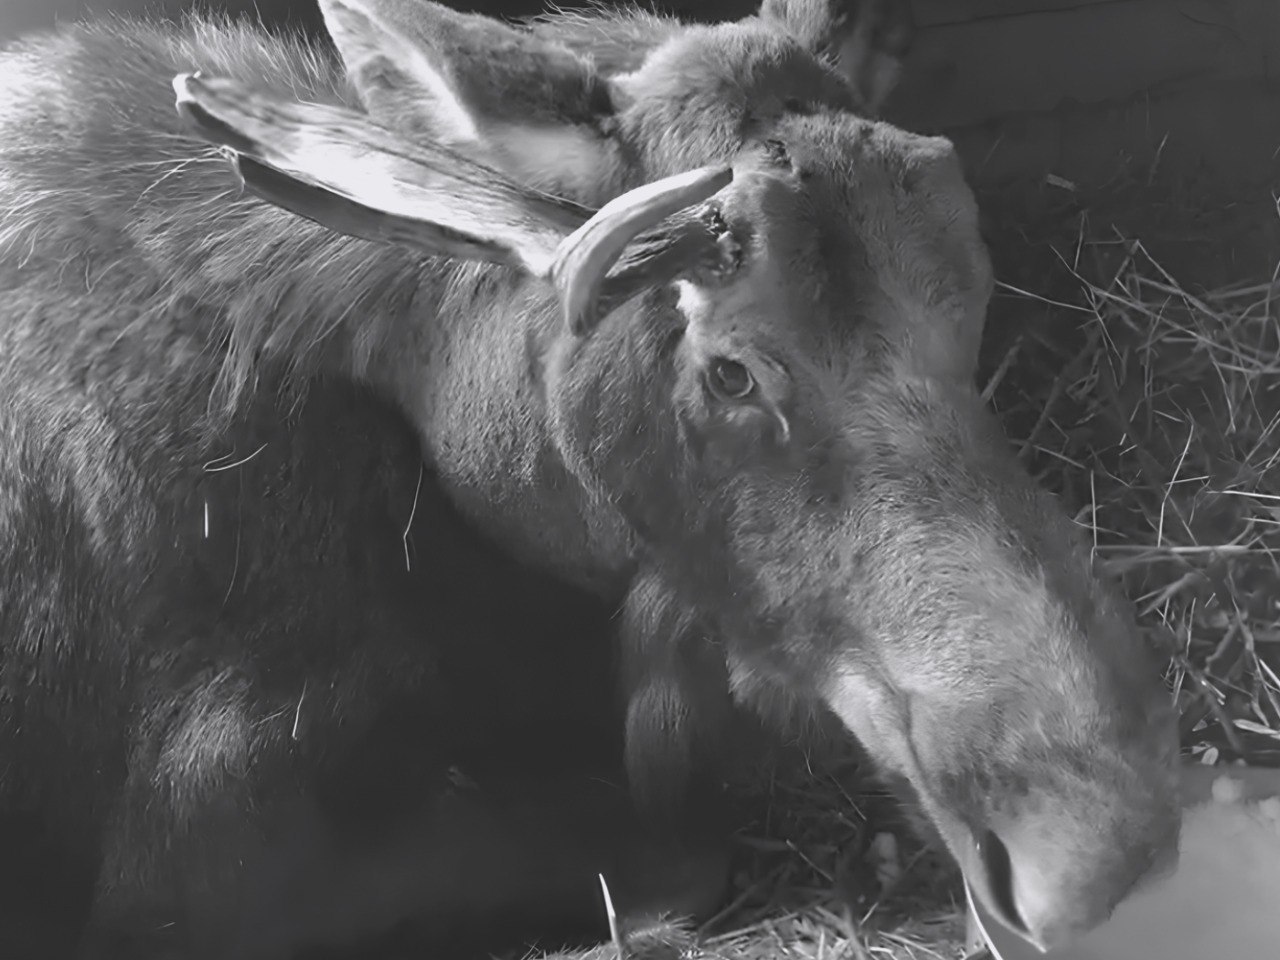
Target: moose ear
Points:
(516, 100)
(867, 40)
(337, 168)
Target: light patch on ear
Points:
(382, 183)
(396, 82)
(561, 160)
(453, 123)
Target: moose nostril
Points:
(999, 870)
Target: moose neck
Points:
(481, 333)
(222, 287)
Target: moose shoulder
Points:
(738, 398)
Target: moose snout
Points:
(1021, 894)
(1051, 888)
(1019, 898)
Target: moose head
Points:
(756, 363)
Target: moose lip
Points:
(980, 918)
(992, 874)
(987, 869)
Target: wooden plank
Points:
(1228, 129)
(966, 73)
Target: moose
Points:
(669, 317)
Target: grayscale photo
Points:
(639, 479)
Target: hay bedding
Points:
(1144, 389)
(1133, 355)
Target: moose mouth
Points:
(978, 923)
(992, 883)
(993, 887)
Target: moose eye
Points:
(729, 380)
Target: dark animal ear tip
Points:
(581, 322)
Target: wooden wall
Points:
(978, 59)
(1077, 86)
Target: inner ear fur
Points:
(513, 97)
